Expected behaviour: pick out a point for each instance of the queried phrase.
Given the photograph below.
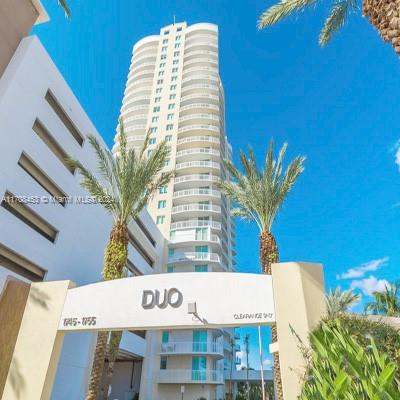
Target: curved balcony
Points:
(139, 117)
(195, 224)
(199, 98)
(192, 195)
(145, 51)
(204, 70)
(135, 128)
(146, 43)
(136, 95)
(204, 78)
(201, 54)
(141, 67)
(145, 57)
(198, 166)
(195, 179)
(198, 153)
(199, 118)
(201, 38)
(196, 209)
(190, 376)
(195, 127)
(201, 62)
(138, 101)
(138, 84)
(135, 110)
(142, 75)
(198, 107)
(195, 257)
(207, 240)
(203, 348)
(201, 46)
(203, 88)
(198, 139)
(131, 139)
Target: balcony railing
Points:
(198, 127)
(145, 65)
(200, 86)
(207, 106)
(198, 164)
(197, 192)
(140, 100)
(141, 75)
(190, 46)
(192, 348)
(133, 84)
(190, 376)
(193, 61)
(135, 108)
(213, 117)
(195, 256)
(198, 150)
(139, 117)
(201, 38)
(196, 207)
(189, 69)
(208, 139)
(143, 51)
(202, 96)
(196, 178)
(195, 224)
(206, 238)
(207, 54)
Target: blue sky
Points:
(338, 105)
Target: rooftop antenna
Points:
(174, 19)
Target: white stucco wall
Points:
(77, 252)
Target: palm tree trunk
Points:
(384, 15)
(115, 259)
(97, 366)
(113, 347)
(269, 254)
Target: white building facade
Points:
(174, 92)
(40, 239)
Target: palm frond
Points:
(336, 19)
(386, 302)
(130, 179)
(340, 302)
(64, 5)
(94, 187)
(281, 10)
(258, 194)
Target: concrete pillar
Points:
(299, 296)
(38, 346)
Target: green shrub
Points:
(348, 360)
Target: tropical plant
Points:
(339, 302)
(259, 195)
(127, 183)
(340, 367)
(387, 302)
(383, 15)
(65, 7)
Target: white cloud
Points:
(369, 285)
(361, 270)
(267, 363)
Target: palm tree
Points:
(64, 5)
(383, 15)
(339, 302)
(259, 195)
(128, 182)
(387, 302)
